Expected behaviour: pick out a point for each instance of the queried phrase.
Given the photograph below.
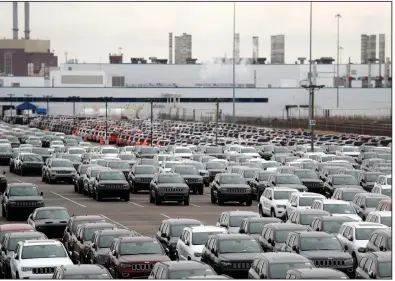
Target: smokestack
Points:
(255, 48)
(27, 21)
(171, 48)
(15, 28)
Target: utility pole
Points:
(152, 118)
(338, 16)
(106, 100)
(47, 97)
(216, 122)
(28, 96)
(74, 99)
(11, 96)
(234, 64)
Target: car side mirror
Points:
(350, 238)
(212, 251)
(6, 194)
(16, 256)
(114, 253)
(293, 204)
(372, 275)
(93, 246)
(187, 243)
(223, 225)
(345, 248)
(330, 183)
(362, 206)
(324, 179)
(3, 248)
(4, 172)
(294, 248)
(41, 193)
(242, 231)
(262, 276)
(273, 182)
(163, 235)
(382, 248)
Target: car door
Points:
(290, 206)
(181, 245)
(15, 261)
(187, 244)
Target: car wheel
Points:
(213, 199)
(134, 189)
(186, 201)
(158, 200)
(249, 202)
(8, 215)
(3, 212)
(201, 190)
(220, 202)
(126, 197)
(42, 178)
(22, 172)
(151, 199)
(272, 213)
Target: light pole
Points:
(106, 100)
(234, 63)
(11, 96)
(338, 16)
(152, 118)
(216, 122)
(28, 96)
(47, 97)
(341, 56)
(74, 99)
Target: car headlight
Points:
(101, 185)
(225, 263)
(24, 269)
(197, 254)
(281, 206)
(41, 202)
(125, 185)
(349, 262)
(11, 202)
(137, 179)
(362, 250)
(125, 265)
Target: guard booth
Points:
(26, 106)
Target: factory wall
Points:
(358, 101)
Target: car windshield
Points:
(43, 252)
(266, 165)
(63, 164)
(344, 181)
(111, 175)
(127, 156)
(182, 274)
(364, 233)
(316, 149)
(200, 238)
(307, 201)
(279, 270)
(215, 165)
(148, 150)
(88, 232)
(118, 165)
(24, 191)
(95, 171)
(140, 248)
(176, 230)
(71, 157)
(145, 170)
(249, 174)
(88, 276)
(33, 158)
(186, 170)
(105, 241)
(77, 151)
(14, 241)
(350, 149)
(52, 214)
(248, 150)
(282, 194)
(166, 178)
(41, 151)
(197, 165)
(373, 202)
(182, 150)
(109, 151)
(232, 179)
(77, 223)
(349, 195)
(288, 179)
(235, 221)
(279, 149)
(386, 221)
(280, 236)
(332, 226)
(389, 181)
(372, 177)
(306, 174)
(256, 227)
(307, 219)
(385, 269)
(339, 209)
(5, 149)
(239, 246)
(320, 244)
(213, 150)
(264, 176)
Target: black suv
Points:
(29, 163)
(3, 182)
(230, 254)
(311, 180)
(254, 226)
(170, 231)
(140, 177)
(120, 165)
(323, 249)
(180, 270)
(275, 265)
(21, 198)
(306, 216)
(80, 176)
(82, 272)
(259, 183)
(168, 187)
(51, 221)
(110, 184)
(375, 265)
(230, 187)
(191, 176)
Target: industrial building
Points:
(369, 49)
(277, 53)
(25, 56)
(183, 48)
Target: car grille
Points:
(192, 180)
(169, 189)
(213, 174)
(43, 270)
(26, 203)
(114, 186)
(312, 184)
(76, 165)
(5, 156)
(52, 232)
(328, 263)
(63, 172)
(241, 265)
(142, 266)
(237, 190)
(33, 165)
(145, 179)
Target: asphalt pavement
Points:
(137, 214)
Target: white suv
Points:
(273, 201)
(38, 259)
(301, 200)
(383, 217)
(383, 185)
(337, 208)
(192, 240)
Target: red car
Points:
(384, 205)
(14, 227)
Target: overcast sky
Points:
(90, 31)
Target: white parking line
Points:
(68, 199)
(118, 224)
(18, 180)
(136, 204)
(194, 205)
(166, 216)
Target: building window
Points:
(118, 81)
(8, 63)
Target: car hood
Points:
(310, 180)
(191, 176)
(63, 169)
(351, 216)
(360, 243)
(103, 251)
(197, 248)
(238, 256)
(50, 262)
(173, 185)
(351, 153)
(144, 175)
(293, 185)
(110, 154)
(235, 185)
(349, 186)
(233, 229)
(49, 222)
(26, 198)
(113, 182)
(143, 258)
(33, 162)
(252, 154)
(326, 254)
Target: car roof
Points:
(23, 234)
(309, 194)
(387, 231)
(286, 226)
(337, 218)
(97, 224)
(382, 256)
(72, 269)
(281, 188)
(184, 265)
(313, 211)
(262, 219)
(226, 236)
(15, 226)
(319, 273)
(206, 228)
(131, 239)
(319, 234)
(382, 213)
(21, 184)
(113, 231)
(334, 201)
(351, 189)
(177, 221)
(241, 213)
(281, 257)
(374, 195)
(88, 217)
(51, 208)
(365, 224)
